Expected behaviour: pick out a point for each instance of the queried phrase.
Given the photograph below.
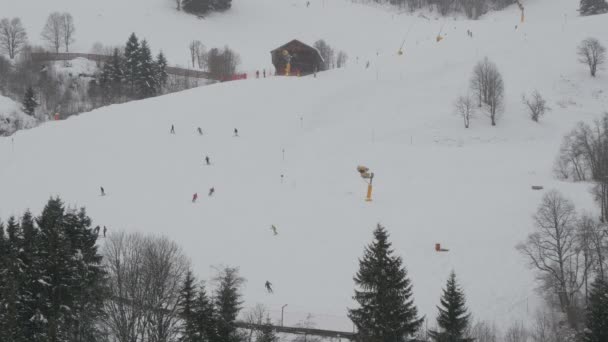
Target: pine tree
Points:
(205, 317)
(131, 63)
(387, 312)
(453, 319)
(161, 71)
(32, 265)
(146, 76)
(597, 313)
(187, 310)
(267, 333)
(29, 101)
(86, 282)
(3, 252)
(198, 7)
(116, 76)
(591, 7)
(228, 304)
(13, 278)
(220, 5)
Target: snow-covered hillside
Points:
(435, 181)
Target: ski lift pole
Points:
(368, 177)
(368, 198)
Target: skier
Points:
(194, 197)
(207, 160)
(257, 74)
(103, 191)
(307, 4)
(104, 231)
(274, 230)
(172, 129)
(264, 73)
(236, 132)
(211, 191)
(200, 131)
(268, 286)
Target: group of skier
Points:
(268, 285)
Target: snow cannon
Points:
(439, 249)
(368, 177)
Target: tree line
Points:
(131, 74)
(57, 286)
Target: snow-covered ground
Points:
(435, 181)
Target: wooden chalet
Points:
(303, 59)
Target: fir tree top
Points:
(453, 318)
(387, 311)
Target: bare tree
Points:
(585, 152)
(68, 30)
(552, 250)
(222, 63)
(516, 333)
(572, 161)
(195, 48)
(593, 242)
(488, 85)
(536, 104)
(327, 53)
(178, 4)
(145, 274)
(484, 332)
(255, 316)
(12, 36)
(341, 59)
(592, 53)
(52, 32)
(465, 108)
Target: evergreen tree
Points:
(267, 333)
(87, 277)
(453, 319)
(198, 7)
(3, 315)
(387, 312)
(146, 73)
(29, 101)
(187, 310)
(104, 85)
(116, 76)
(205, 318)
(220, 5)
(228, 304)
(591, 7)
(13, 278)
(32, 265)
(597, 312)
(131, 63)
(161, 71)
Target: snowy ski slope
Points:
(435, 181)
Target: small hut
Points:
(296, 58)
